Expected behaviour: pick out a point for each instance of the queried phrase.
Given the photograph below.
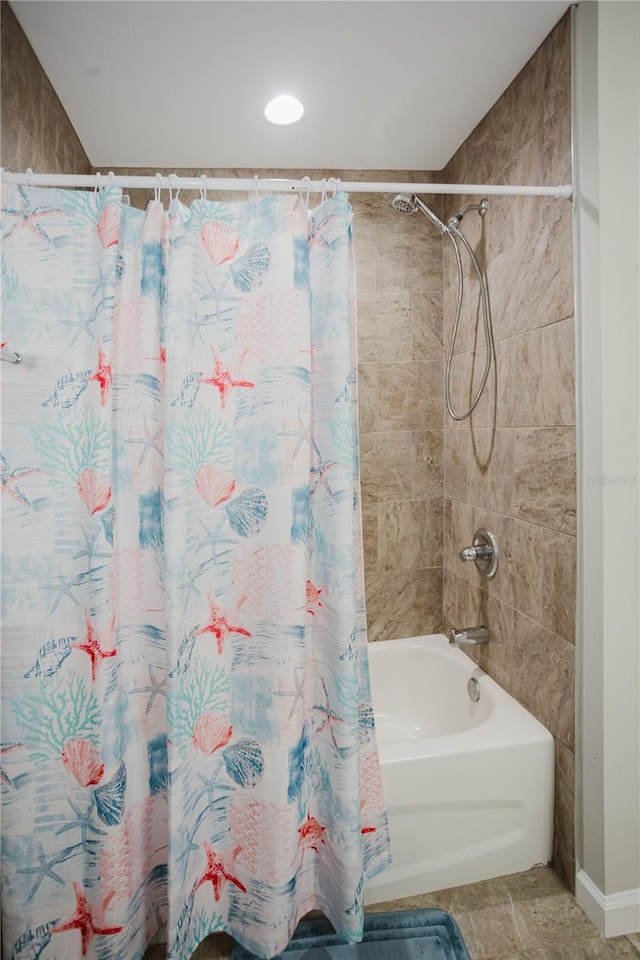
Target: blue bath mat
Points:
(401, 935)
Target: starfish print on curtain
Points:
(186, 707)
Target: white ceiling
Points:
(387, 84)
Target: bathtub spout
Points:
(469, 635)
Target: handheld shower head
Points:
(403, 203)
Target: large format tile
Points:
(489, 144)
(554, 920)
(485, 413)
(544, 476)
(386, 466)
(564, 863)
(460, 388)
(466, 605)
(462, 602)
(467, 371)
(365, 247)
(513, 219)
(426, 325)
(558, 373)
(491, 469)
(526, 916)
(456, 169)
(537, 569)
(544, 677)
(389, 598)
(470, 332)
(540, 912)
(426, 464)
(426, 601)
(410, 534)
(537, 573)
(376, 207)
(409, 256)
(459, 519)
(531, 283)
(555, 54)
(524, 95)
(457, 448)
(555, 159)
(370, 535)
(591, 948)
(500, 619)
(368, 397)
(384, 326)
(564, 814)
(557, 558)
(519, 376)
(410, 396)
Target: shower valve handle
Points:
(479, 552)
(483, 552)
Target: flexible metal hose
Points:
(454, 233)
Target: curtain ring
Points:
(170, 189)
(307, 180)
(203, 188)
(176, 182)
(112, 178)
(255, 181)
(337, 185)
(97, 186)
(324, 189)
(29, 175)
(157, 190)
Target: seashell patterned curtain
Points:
(188, 738)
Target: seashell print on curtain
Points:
(188, 739)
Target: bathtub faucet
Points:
(459, 638)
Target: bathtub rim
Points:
(508, 722)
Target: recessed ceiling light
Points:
(283, 110)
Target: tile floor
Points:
(526, 916)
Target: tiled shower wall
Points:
(399, 261)
(511, 467)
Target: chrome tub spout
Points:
(468, 635)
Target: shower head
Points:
(408, 204)
(403, 203)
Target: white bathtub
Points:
(468, 786)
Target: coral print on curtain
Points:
(188, 739)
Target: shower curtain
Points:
(187, 728)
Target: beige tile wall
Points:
(36, 131)
(511, 467)
(399, 273)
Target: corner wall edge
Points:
(614, 914)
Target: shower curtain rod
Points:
(174, 182)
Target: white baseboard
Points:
(614, 914)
